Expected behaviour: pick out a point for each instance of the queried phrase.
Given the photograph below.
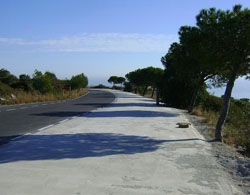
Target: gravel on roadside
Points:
(227, 156)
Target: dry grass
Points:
(22, 97)
(149, 93)
(209, 116)
(231, 135)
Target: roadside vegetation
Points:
(39, 88)
(214, 53)
(143, 80)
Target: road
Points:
(17, 120)
(129, 147)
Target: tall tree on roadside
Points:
(113, 79)
(195, 60)
(144, 78)
(157, 74)
(135, 79)
(179, 80)
(230, 32)
(120, 80)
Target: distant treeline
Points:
(39, 82)
(138, 81)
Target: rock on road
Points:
(130, 147)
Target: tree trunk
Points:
(157, 96)
(145, 90)
(194, 97)
(226, 104)
(196, 91)
(153, 91)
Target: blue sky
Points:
(97, 37)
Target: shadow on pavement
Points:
(118, 105)
(128, 113)
(71, 146)
(130, 96)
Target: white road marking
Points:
(15, 138)
(10, 110)
(197, 134)
(45, 127)
(44, 104)
(63, 121)
(23, 107)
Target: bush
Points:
(237, 125)
(212, 103)
(117, 87)
(79, 81)
(177, 92)
(100, 86)
(128, 87)
(5, 89)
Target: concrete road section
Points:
(17, 120)
(131, 147)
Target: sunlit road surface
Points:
(130, 147)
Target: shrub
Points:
(79, 81)
(5, 89)
(237, 125)
(212, 103)
(101, 86)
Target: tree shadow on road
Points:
(117, 105)
(131, 113)
(72, 146)
(105, 114)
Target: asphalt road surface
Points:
(17, 120)
(129, 147)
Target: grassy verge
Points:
(21, 97)
(236, 131)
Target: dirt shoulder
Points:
(233, 162)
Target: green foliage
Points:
(79, 81)
(5, 89)
(25, 82)
(101, 86)
(140, 79)
(212, 103)
(7, 78)
(228, 45)
(177, 92)
(116, 80)
(128, 87)
(39, 83)
(42, 83)
(117, 87)
(180, 78)
(113, 79)
(120, 80)
(237, 125)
